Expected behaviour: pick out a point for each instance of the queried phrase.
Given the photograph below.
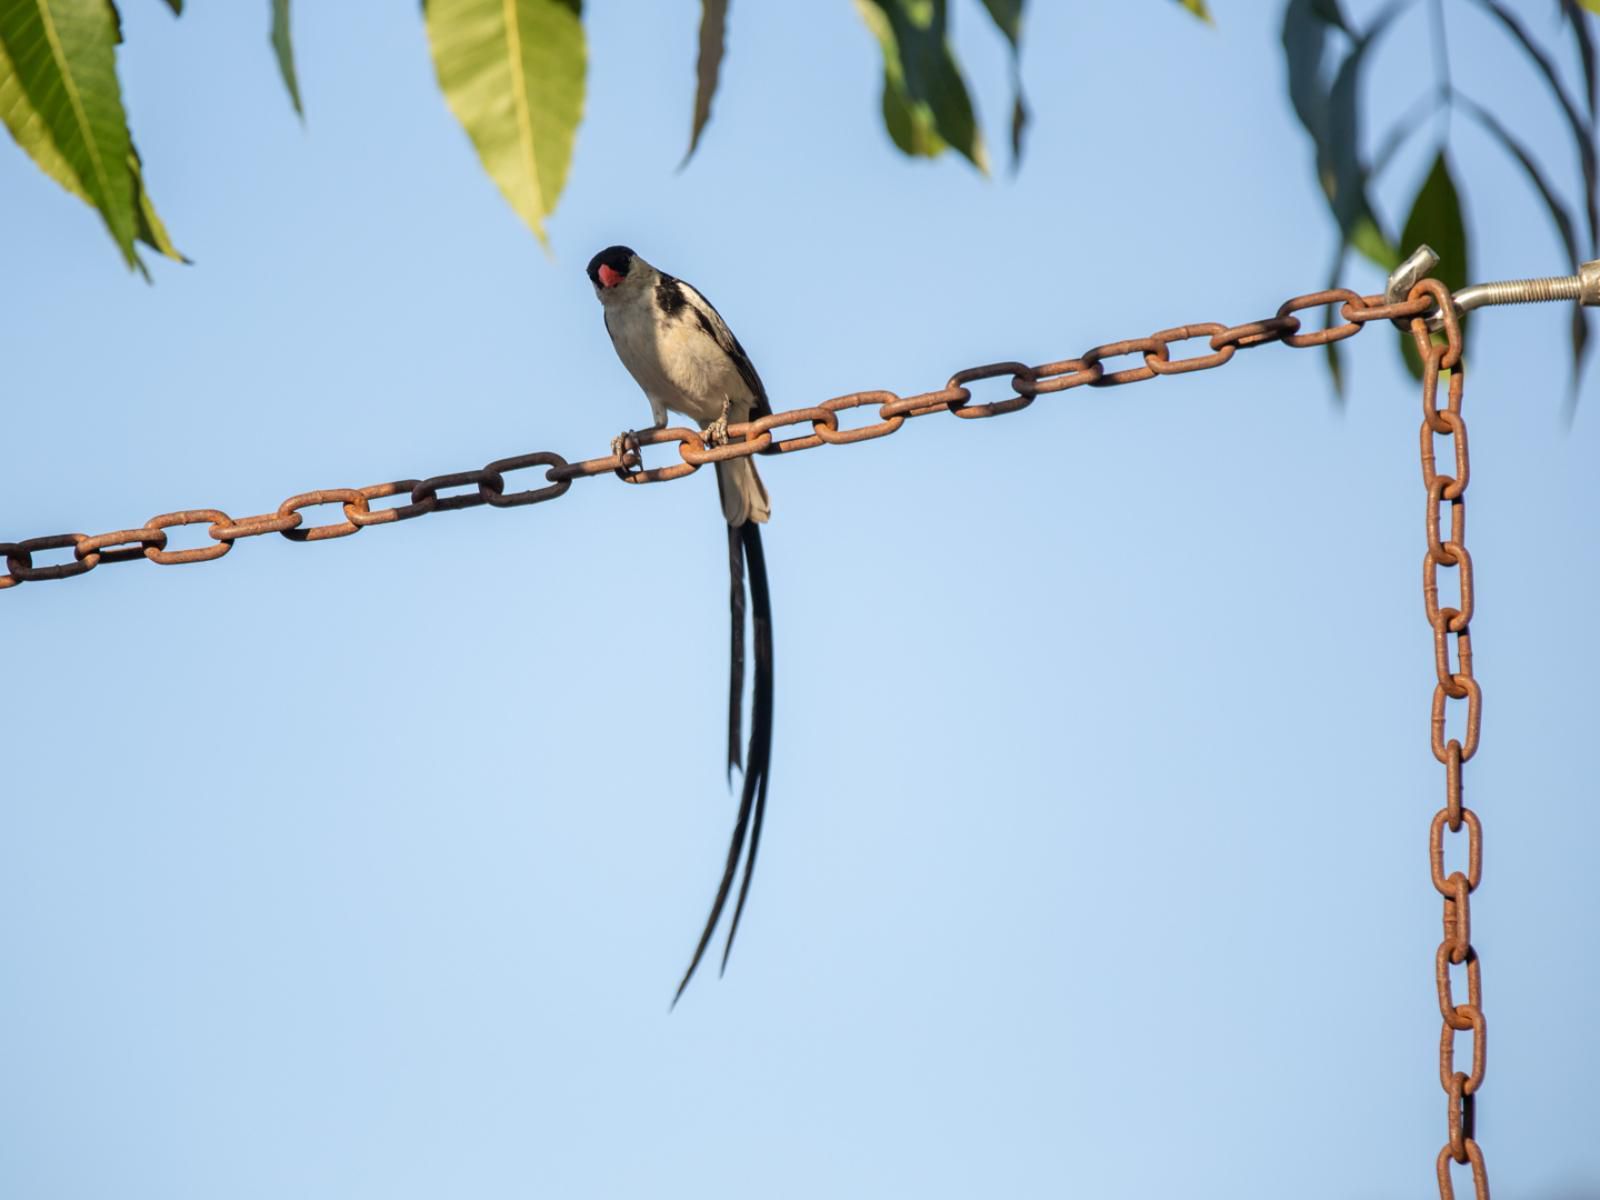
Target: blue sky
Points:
(1096, 859)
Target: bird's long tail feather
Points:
(736, 647)
(746, 840)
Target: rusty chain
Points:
(1428, 303)
(149, 541)
(1453, 683)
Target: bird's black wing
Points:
(710, 320)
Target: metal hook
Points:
(1584, 287)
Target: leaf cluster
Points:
(1325, 55)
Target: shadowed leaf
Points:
(1586, 51)
(925, 103)
(512, 71)
(1436, 219)
(283, 49)
(176, 6)
(713, 29)
(1007, 15)
(1330, 112)
(1559, 216)
(1582, 136)
(63, 105)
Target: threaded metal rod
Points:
(1520, 291)
(1584, 287)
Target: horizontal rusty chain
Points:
(149, 541)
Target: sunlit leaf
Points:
(925, 101)
(713, 29)
(1436, 219)
(1199, 9)
(283, 49)
(27, 127)
(512, 71)
(64, 105)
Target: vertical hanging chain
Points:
(1453, 665)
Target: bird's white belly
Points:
(685, 371)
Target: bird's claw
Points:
(623, 446)
(716, 433)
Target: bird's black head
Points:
(610, 266)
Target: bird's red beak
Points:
(608, 277)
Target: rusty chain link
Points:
(1027, 383)
(1454, 682)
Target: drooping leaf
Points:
(512, 71)
(1330, 113)
(1582, 135)
(152, 231)
(713, 28)
(1371, 243)
(1436, 219)
(1007, 16)
(283, 49)
(176, 6)
(1559, 216)
(65, 105)
(1586, 51)
(1199, 9)
(1305, 44)
(27, 127)
(925, 103)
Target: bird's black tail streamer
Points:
(736, 649)
(744, 543)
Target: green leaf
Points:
(64, 105)
(1369, 240)
(1330, 113)
(152, 232)
(1582, 136)
(176, 6)
(1559, 216)
(1586, 50)
(27, 127)
(512, 71)
(713, 27)
(925, 103)
(1436, 219)
(1199, 9)
(1007, 15)
(283, 48)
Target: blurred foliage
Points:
(513, 72)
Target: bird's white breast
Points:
(677, 364)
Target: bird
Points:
(686, 360)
